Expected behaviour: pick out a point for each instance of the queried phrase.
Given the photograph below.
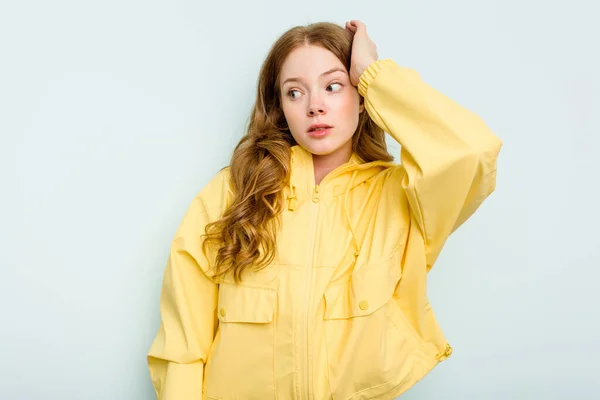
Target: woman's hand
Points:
(364, 50)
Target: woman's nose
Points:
(316, 110)
(317, 104)
(316, 107)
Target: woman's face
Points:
(316, 89)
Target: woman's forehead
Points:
(310, 62)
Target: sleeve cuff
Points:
(369, 74)
(183, 381)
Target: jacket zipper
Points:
(316, 200)
(307, 370)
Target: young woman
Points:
(299, 271)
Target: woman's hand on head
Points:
(364, 50)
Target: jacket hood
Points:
(339, 181)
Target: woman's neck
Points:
(324, 164)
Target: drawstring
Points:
(348, 187)
(445, 354)
(369, 193)
(292, 198)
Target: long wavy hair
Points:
(260, 165)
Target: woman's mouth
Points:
(317, 133)
(319, 130)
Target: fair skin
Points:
(316, 88)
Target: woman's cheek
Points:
(347, 106)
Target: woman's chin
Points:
(328, 148)
(320, 149)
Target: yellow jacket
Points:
(342, 312)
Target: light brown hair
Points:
(260, 165)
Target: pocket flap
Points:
(367, 290)
(238, 303)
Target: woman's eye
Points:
(337, 87)
(338, 84)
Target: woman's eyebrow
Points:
(330, 71)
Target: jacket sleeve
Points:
(448, 156)
(188, 302)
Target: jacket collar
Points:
(339, 181)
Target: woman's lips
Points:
(319, 132)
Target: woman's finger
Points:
(359, 25)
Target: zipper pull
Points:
(315, 197)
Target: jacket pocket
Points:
(241, 361)
(368, 344)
